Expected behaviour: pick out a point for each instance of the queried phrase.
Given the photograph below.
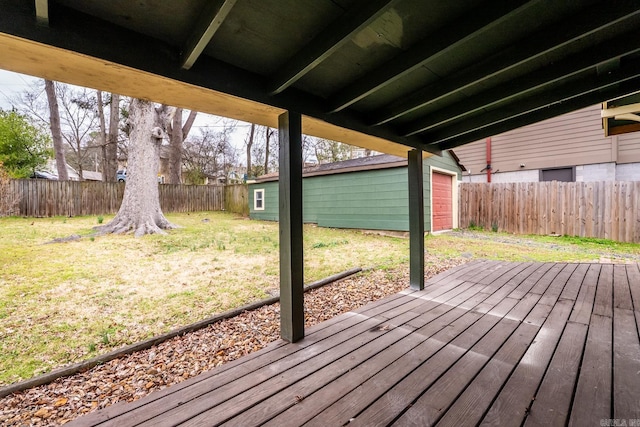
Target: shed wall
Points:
(270, 212)
(370, 199)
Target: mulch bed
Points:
(135, 375)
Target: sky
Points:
(11, 84)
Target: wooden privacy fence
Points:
(236, 199)
(608, 210)
(191, 198)
(43, 198)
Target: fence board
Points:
(43, 198)
(636, 207)
(608, 210)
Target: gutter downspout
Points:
(488, 159)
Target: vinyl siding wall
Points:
(572, 139)
(628, 148)
(373, 200)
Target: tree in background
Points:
(327, 151)
(56, 131)
(78, 120)
(23, 146)
(140, 210)
(264, 151)
(108, 137)
(308, 149)
(268, 133)
(178, 132)
(210, 155)
(249, 144)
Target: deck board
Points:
(398, 398)
(531, 280)
(486, 343)
(584, 302)
(626, 358)
(603, 304)
(553, 399)
(557, 285)
(633, 273)
(592, 398)
(514, 400)
(307, 408)
(574, 284)
(436, 400)
(471, 405)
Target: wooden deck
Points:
(486, 343)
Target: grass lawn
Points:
(65, 302)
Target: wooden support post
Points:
(290, 212)
(416, 220)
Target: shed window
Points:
(258, 200)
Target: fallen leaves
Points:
(41, 413)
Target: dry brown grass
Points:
(65, 302)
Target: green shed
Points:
(368, 193)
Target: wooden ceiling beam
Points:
(596, 18)
(209, 22)
(356, 19)
(434, 46)
(583, 101)
(121, 49)
(522, 86)
(593, 83)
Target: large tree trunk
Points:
(140, 211)
(56, 131)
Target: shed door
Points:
(441, 198)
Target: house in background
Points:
(571, 147)
(367, 193)
(49, 171)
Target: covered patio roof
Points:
(382, 74)
(397, 76)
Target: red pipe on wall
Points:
(489, 159)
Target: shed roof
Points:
(380, 161)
